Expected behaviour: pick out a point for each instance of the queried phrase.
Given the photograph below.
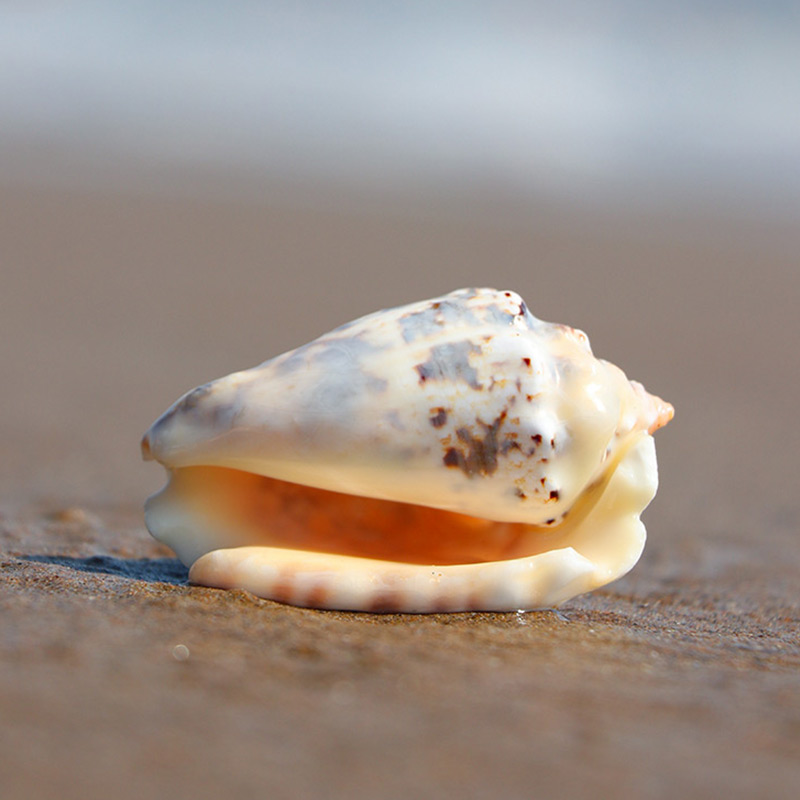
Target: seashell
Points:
(449, 455)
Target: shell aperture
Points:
(452, 454)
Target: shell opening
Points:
(314, 547)
(245, 509)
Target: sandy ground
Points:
(117, 679)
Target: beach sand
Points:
(118, 679)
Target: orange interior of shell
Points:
(250, 509)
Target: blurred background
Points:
(575, 101)
(191, 188)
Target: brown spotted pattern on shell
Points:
(448, 455)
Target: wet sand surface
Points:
(118, 679)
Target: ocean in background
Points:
(622, 102)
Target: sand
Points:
(118, 679)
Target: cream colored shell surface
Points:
(466, 403)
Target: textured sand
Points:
(117, 679)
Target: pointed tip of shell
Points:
(655, 413)
(664, 413)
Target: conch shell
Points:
(450, 455)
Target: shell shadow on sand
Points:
(154, 570)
